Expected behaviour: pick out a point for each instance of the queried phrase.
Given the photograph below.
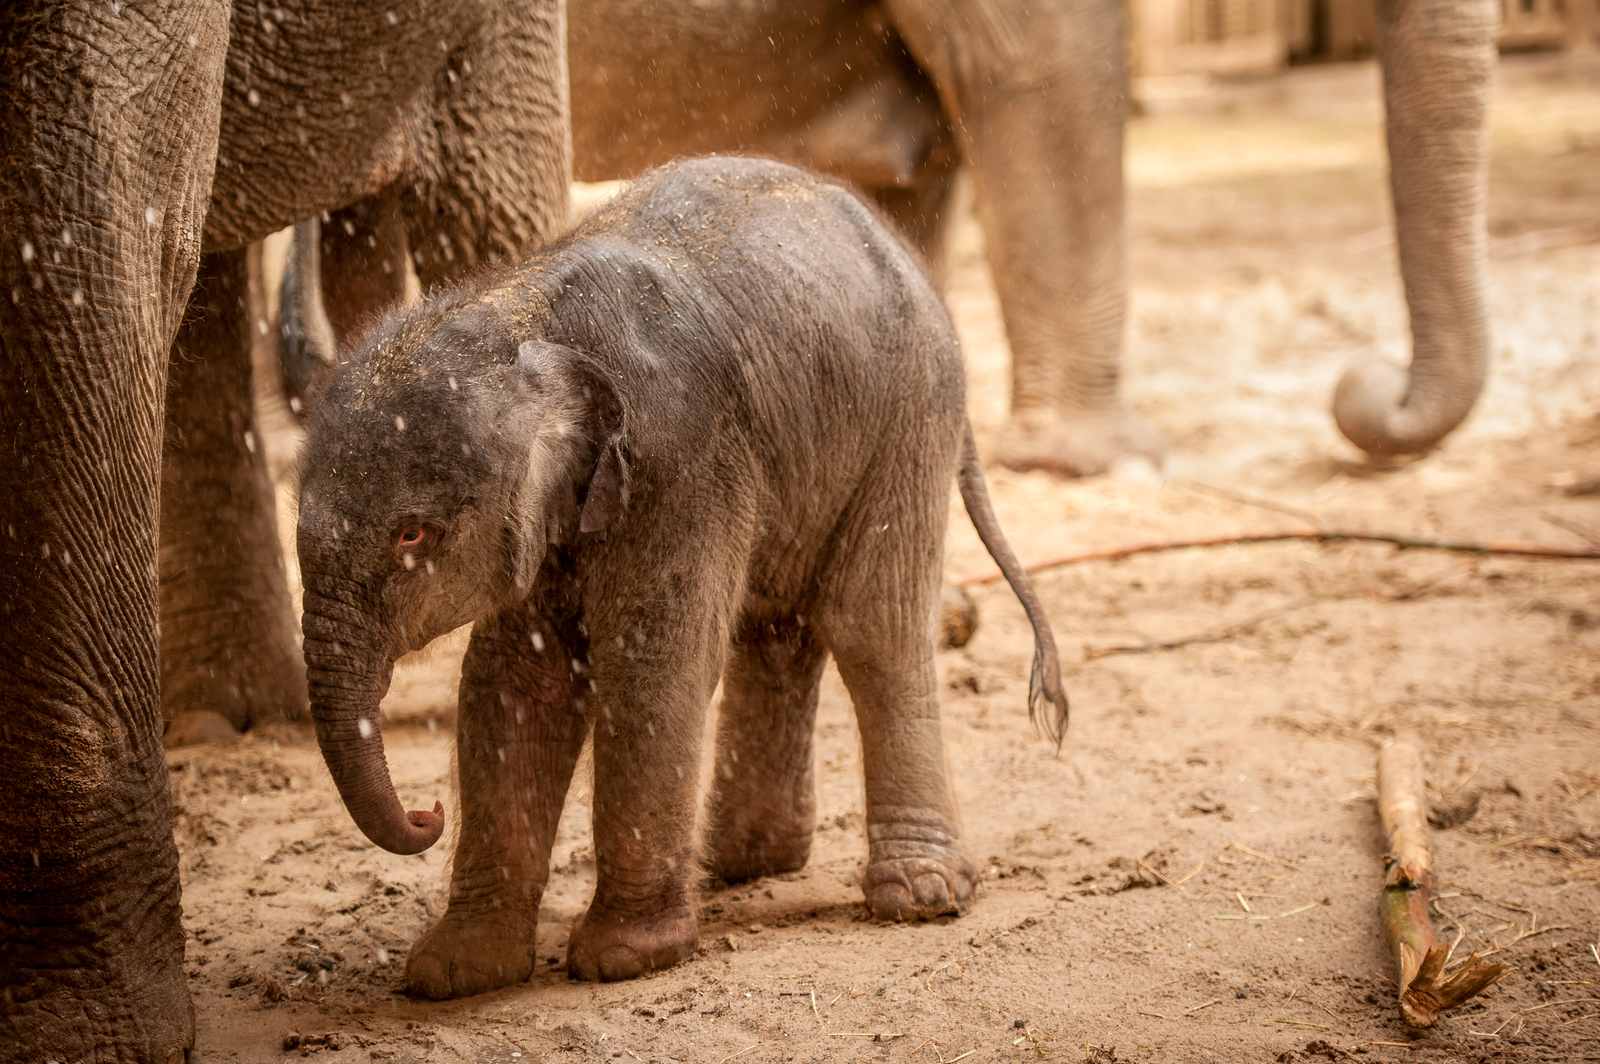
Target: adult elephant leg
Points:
(763, 797)
(499, 184)
(339, 276)
(518, 739)
(108, 134)
(922, 212)
(230, 655)
(1038, 102)
(1438, 68)
(363, 263)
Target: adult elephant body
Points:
(1030, 98)
(142, 145)
(892, 97)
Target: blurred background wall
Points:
(1195, 39)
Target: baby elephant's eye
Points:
(413, 543)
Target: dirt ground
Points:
(1194, 877)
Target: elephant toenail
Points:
(891, 901)
(620, 962)
(932, 891)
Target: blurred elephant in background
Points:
(143, 146)
(895, 95)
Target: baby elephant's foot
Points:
(919, 888)
(917, 869)
(608, 946)
(751, 847)
(460, 956)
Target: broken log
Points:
(1419, 956)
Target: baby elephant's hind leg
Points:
(880, 627)
(763, 798)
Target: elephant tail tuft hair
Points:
(1044, 685)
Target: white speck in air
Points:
(27, 251)
(249, 441)
(254, 97)
(400, 424)
(364, 726)
(538, 642)
(453, 386)
(409, 561)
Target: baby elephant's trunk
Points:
(348, 678)
(1044, 685)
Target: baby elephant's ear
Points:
(538, 360)
(607, 498)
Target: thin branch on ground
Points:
(1220, 635)
(1232, 631)
(1250, 500)
(1585, 534)
(1504, 548)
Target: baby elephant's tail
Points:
(1045, 683)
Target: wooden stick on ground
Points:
(1418, 953)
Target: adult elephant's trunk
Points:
(1438, 65)
(348, 675)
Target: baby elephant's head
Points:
(440, 464)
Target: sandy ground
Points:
(1239, 766)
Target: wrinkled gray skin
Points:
(143, 144)
(708, 435)
(1030, 98)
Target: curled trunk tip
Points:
(351, 741)
(1379, 409)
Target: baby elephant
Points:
(708, 435)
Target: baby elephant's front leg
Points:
(518, 739)
(649, 709)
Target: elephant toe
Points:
(198, 726)
(608, 947)
(919, 888)
(620, 962)
(459, 958)
(1081, 444)
(932, 892)
(958, 617)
